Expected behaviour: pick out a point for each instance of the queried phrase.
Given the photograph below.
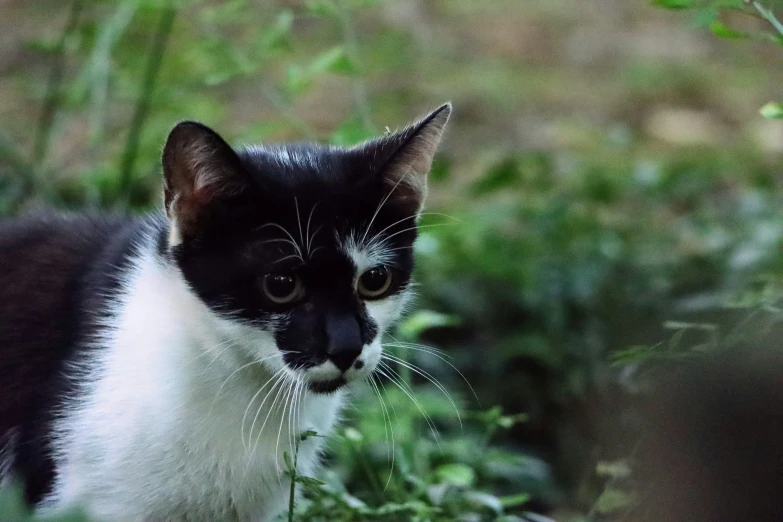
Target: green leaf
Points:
(500, 176)
(512, 501)
(772, 110)
(459, 475)
(307, 434)
(720, 29)
(353, 435)
(424, 320)
(309, 482)
(612, 500)
(615, 469)
(485, 500)
(704, 17)
(287, 460)
(277, 36)
(322, 7)
(351, 131)
(674, 4)
(334, 60)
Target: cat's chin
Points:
(326, 387)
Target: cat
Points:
(159, 367)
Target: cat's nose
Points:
(344, 341)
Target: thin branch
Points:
(351, 42)
(54, 87)
(769, 16)
(142, 109)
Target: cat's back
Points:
(46, 263)
(56, 272)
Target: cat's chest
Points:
(185, 453)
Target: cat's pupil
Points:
(280, 285)
(375, 278)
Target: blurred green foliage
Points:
(551, 277)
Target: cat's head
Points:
(306, 249)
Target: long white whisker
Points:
(442, 357)
(307, 231)
(422, 347)
(427, 376)
(292, 429)
(386, 420)
(388, 372)
(286, 232)
(299, 221)
(292, 256)
(287, 397)
(387, 228)
(279, 380)
(380, 206)
(244, 417)
(418, 227)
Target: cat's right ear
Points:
(199, 168)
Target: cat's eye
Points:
(282, 288)
(374, 283)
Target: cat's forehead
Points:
(299, 167)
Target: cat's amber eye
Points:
(374, 283)
(282, 288)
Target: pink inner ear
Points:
(406, 172)
(199, 167)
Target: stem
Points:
(142, 109)
(361, 98)
(292, 493)
(769, 16)
(53, 89)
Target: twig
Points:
(142, 109)
(769, 16)
(54, 87)
(350, 40)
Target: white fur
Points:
(177, 422)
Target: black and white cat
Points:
(157, 368)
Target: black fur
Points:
(55, 274)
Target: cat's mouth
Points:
(325, 387)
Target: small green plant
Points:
(708, 13)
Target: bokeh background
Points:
(607, 199)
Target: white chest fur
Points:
(163, 431)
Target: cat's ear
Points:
(407, 157)
(199, 168)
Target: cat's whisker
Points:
(292, 256)
(299, 221)
(217, 394)
(429, 377)
(378, 234)
(249, 404)
(286, 232)
(442, 356)
(287, 398)
(418, 227)
(278, 380)
(307, 231)
(292, 418)
(380, 206)
(282, 381)
(388, 372)
(226, 344)
(311, 239)
(386, 421)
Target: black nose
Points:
(344, 340)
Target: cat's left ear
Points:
(407, 157)
(200, 170)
